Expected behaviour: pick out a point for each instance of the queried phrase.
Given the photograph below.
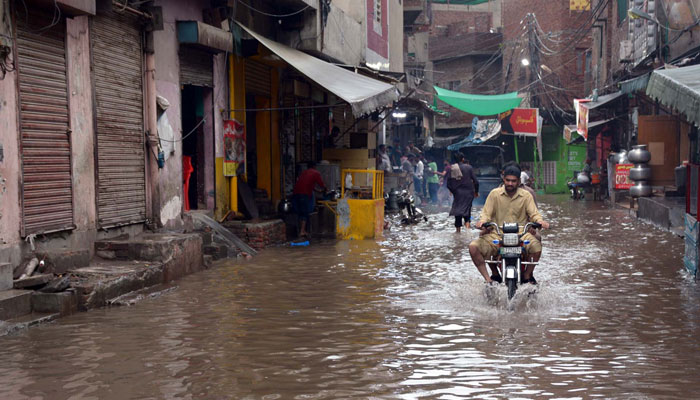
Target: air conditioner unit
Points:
(626, 51)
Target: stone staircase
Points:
(121, 266)
(22, 308)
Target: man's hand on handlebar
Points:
(542, 225)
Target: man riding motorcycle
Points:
(508, 203)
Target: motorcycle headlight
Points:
(511, 239)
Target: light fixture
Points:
(525, 62)
(398, 114)
(635, 13)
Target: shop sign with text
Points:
(622, 176)
(520, 121)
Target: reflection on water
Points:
(405, 317)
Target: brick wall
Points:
(463, 69)
(567, 68)
(480, 21)
(259, 235)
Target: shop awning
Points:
(602, 100)
(364, 94)
(678, 88)
(204, 35)
(570, 134)
(634, 84)
(479, 104)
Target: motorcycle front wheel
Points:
(512, 287)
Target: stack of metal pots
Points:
(641, 172)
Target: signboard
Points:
(579, 5)
(234, 146)
(568, 134)
(622, 176)
(581, 117)
(520, 121)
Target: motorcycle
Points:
(512, 256)
(576, 190)
(405, 203)
(577, 185)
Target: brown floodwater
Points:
(407, 317)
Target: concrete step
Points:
(147, 247)
(151, 292)
(14, 303)
(62, 303)
(25, 321)
(6, 276)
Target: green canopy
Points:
(479, 104)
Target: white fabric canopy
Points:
(364, 94)
(678, 88)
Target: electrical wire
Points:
(55, 19)
(274, 15)
(184, 137)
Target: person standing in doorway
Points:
(304, 195)
(464, 187)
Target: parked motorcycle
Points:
(512, 258)
(576, 189)
(405, 202)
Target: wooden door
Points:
(661, 134)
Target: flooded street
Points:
(406, 317)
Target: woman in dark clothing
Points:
(464, 187)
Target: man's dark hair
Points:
(512, 170)
(458, 156)
(311, 164)
(382, 147)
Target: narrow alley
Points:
(407, 317)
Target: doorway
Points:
(197, 148)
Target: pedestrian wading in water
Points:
(464, 186)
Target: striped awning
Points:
(678, 88)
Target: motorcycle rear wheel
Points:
(512, 287)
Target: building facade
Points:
(114, 113)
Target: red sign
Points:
(520, 121)
(622, 176)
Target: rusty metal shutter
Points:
(196, 67)
(47, 193)
(117, 77)
(257, 78)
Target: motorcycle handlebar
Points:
(527, 227)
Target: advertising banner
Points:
(520, 121)
(234, 146)
(622, 176)
(581, 117)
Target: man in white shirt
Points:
(383, 159)
(525, 176)
(417, 174)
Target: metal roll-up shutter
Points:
(117, 58)
(196, 67)
(47, 193)
(257, 78)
